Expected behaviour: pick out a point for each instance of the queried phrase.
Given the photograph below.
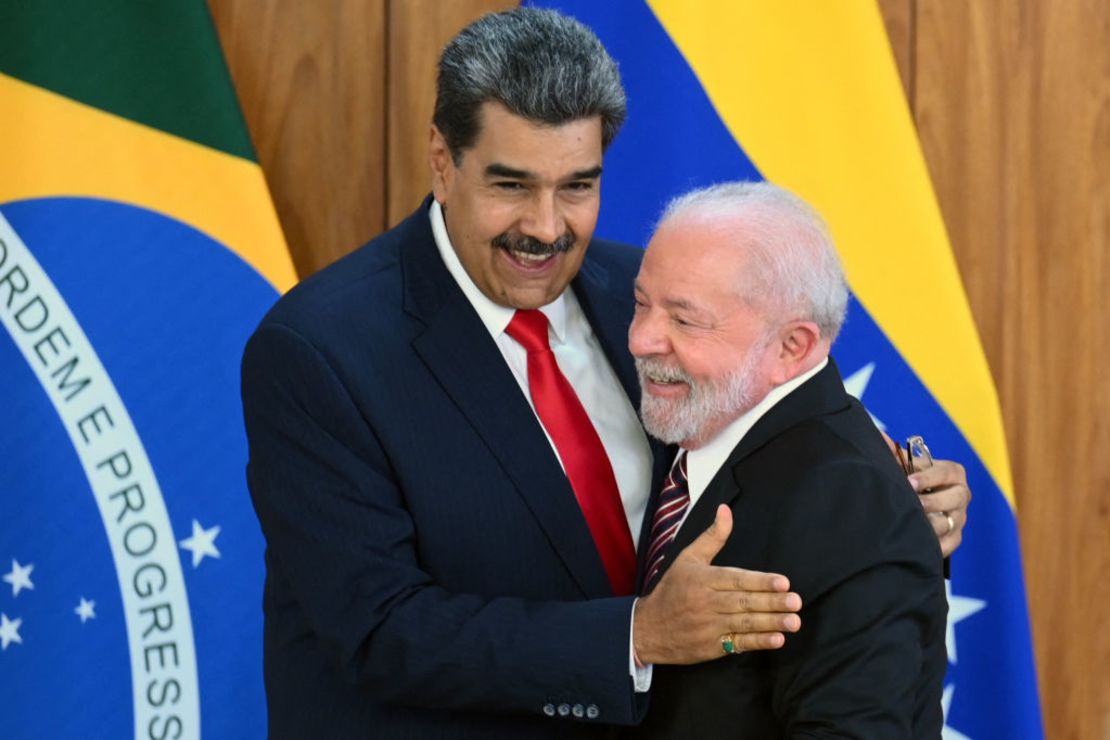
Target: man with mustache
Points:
(445, 456)
(738, 301)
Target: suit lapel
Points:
(609, 314)
(458, 350)
(822, 394)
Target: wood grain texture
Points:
(418, 30)
(1013, 107)
(311, 81)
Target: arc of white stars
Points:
(86, 610)
(959, 609)
(20, 577)
(9, 631)
(856, 385)
(202, 543)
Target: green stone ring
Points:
(728, 645)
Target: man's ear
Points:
(796, 348)
(442, 164)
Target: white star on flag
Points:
(959, 608)
(202, 544)
(20, 577)
(9, 631)
(85, 610)
(856, 385)
(946, 732)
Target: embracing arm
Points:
(342, 541)
(693, 605)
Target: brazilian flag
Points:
(806, 95)
(138, 249)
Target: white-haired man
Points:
(738, 300)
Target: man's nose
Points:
(646, 336)
(543, 221)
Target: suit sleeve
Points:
(869, 576)
(340, 538)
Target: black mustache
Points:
(530, 245)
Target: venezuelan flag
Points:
(807, 96)
(138, 249)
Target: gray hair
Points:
(539, 64)
(793, 266)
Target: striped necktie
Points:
(674, 500)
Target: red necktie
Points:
(674, 500)
(584, 459)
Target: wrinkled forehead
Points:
(691, 265)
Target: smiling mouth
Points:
(530, 259)
(654, 374)
(529, 252)
(655, 385)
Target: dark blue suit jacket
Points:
(429, 573)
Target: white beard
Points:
(678, 420)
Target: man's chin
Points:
(529, 298)
(662, 427)
(524, 288)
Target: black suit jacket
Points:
(817, 496)
(428, 570)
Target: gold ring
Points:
(951, 524)
(728, 643)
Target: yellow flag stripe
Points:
(811, 91)
(54, 146)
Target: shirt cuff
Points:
(641, 674)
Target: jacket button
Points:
(549, 710)
(564, 710)
(592, 712)
(578, 711)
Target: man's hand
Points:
(695, 604)
(944, 495)
(942, 489)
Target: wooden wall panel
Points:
(418, 30)
(311, 81)
(1013, 106)
(899, 17)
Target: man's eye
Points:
(581, 186)
(509, 185)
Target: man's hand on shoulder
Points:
(944, 494)
(942, 489)
(695, 605)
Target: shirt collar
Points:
(704, 462)
(494, 316)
